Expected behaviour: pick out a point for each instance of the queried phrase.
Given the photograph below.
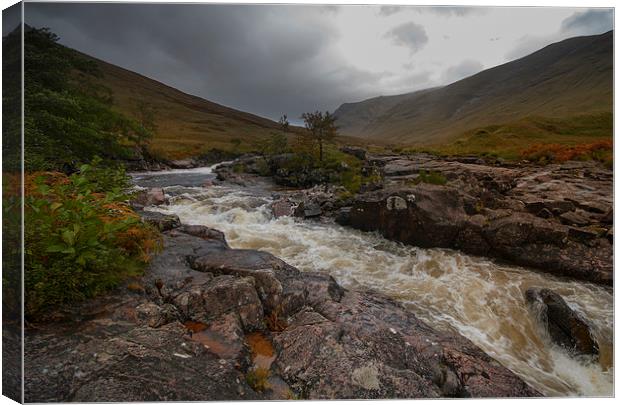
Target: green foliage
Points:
(80, 238)
(284, 124)
(321, 128)
(103, 179)
(68, 118)
(275, 144)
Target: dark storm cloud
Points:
(255, 58)
(11, 18)
(410, 35)
(589, 21)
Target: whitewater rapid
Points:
(477, 297)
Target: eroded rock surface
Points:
(179, 333)
(557, 218)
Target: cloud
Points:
(527, 45)
(275, 59)
(233, 55)
(589, 22)
(461, 71)
(410, 35)
(412, 81)
(386, 11)
(452, 11)
(11, 18)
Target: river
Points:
(479, 298)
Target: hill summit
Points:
(564, 79)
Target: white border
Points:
(530, 3)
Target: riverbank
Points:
(451, 294)
(188, 330)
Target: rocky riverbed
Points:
(209, 321)
(556, 218)
(181, 333)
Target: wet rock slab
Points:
(182, 335)
(565, 326)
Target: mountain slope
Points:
(574, 76)
(354, 117)
(186, 125)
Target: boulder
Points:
(204, 232)
(163, 222)
(282, 208)
(574, 218)
(308, 209)
(356, 151)
(219, 296)
(566, 327)
(182, 164)
(424, 215)
(343, 216)
(151, 196)
(556, 207)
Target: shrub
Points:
(81, 238)
(556, 153)
(69, 116)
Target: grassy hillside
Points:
(186, 125)
(514, 140)
(354, 117)
(568, 78)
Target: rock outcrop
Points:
(179, 333)
(557, 218)
(163, 222)
(566, 327)
(151, 196)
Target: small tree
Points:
(321, 127)
(284, 124)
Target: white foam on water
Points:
(480, 299)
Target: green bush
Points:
(69, 116)
(80, 237)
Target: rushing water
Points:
(479, 298)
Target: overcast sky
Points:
(271, 60)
